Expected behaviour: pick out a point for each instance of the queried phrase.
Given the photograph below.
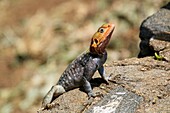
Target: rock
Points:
(165, 54)
(156, 27)
(130, 81)
(119, 100)
(162, 47)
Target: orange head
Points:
(101, 39)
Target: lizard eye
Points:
(101, 30)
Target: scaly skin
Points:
(81, 70)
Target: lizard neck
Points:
(98, 55)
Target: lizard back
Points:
(82, 67)
(72, 76)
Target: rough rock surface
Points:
(145, 77)
(161, 47)
(117, 101)
(156, 27)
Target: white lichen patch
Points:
(111, 105)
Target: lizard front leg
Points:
(102, 74)
(55, 91)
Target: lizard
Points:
(81, 70)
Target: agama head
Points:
(101, 39)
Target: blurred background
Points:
(38, 38)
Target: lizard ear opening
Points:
(96, 41)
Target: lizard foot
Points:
(107, 79)
(91, 99)
(47, 106)
(92, 95)
(41, 109)
(98, 94)
(51, 105)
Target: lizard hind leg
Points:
(54, 92)
(88, 88)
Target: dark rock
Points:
(157, 26)
(117, 101)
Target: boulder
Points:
(136, 85)
(155, 34)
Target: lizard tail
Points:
(54, 92)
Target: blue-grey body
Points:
(81, 70)
(78, 73)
